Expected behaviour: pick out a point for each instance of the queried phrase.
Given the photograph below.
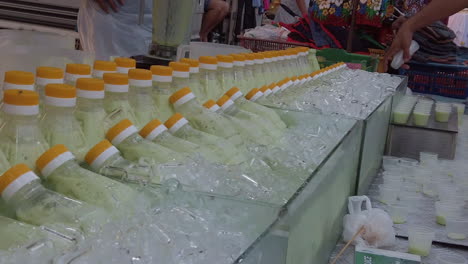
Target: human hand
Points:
(402, 41)
(397, 23)
(113, 4)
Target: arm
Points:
(105, 4)
(434, 11)
(302, 7)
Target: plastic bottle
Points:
(267, 67)
(90, 109)
(116, 102)
(62, 174)
(140, 96)
(124, 64)
(185, 102)
(106, 160)
(283, 64)
(245, 122)
(259, 71)
(266, 92)
(22, 191)
(46, 75)
(180, 127)
(21, 139)
(18, 80)
(124, 136)
(211, 88)
(180, 75)
(194, 79)
(225, 71)
(212, 106)
(398, 58)
(158, 133)
(239, 78)
(101, 67)
(75, 71)
(162, 90)
(312, 59)
(257, 109)
(58, 122)
(16, 234)
(250, 80)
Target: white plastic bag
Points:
(378, 226)
(115, 34)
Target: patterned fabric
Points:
(411, 7)
(338, 12)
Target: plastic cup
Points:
(442, 115)
(420, 118)
(400, 117)
(446, 210)
(388, 195)
(398, 213)
(420, 240)
(456, 228)
(450, 258)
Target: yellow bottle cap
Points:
(14, 179)
(125, 62)
(253, 95)
(175, 122)
(52, 159)
(18, 80)
(238, 57)
(108, 66)
(140, 74)
(153, 129)
(60, 90)
(191, 62)
(21, 97)
(250, 56)
(90, 88)
(115, 78)
(208, 63)
(98, 154)
(49, 72)
(234, 93)
(225, 102)
(79, 69)
(181, 97)
(208, 104)
(121, 131)
(225, 58)
(179, 66)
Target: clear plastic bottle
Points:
(116, 102)
(259, 71)
(90, 109)
(140, 96)
(62, 174)
(269, 116)
(124, 64)
(266, 92)
(195, 84)
(21, 139)
(101, 67)
(180, 127)
(124, 136)
(46, 75)
(185, 102)
(244, 122)
(239, 78)
(58, 122)
(180, 75)
(312, 60)
(18, 80)
(254, 121)
(22, 191)
(106, 160)
(212, 106)
(16, 234)
(225, 71)
(211, 88)
(267, 67)
(162, 90)
(283, 64)
(75, 71)
(250, 80)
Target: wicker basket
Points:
(257, 45)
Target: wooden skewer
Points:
(360, 231)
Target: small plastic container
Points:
(401, 116)
(388, 195)
(442, 114)
(398, 213)
(421, 117)
(450, 258)
(445, 210)
(457, 228)
(460, 111)
(420, 240)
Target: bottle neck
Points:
(231, 110)
(19, 120)
(163, 86)
(112, 161)
(180, 82)
(65, 169)
(85, 104)
(131, 140)
(204, 73)
(59, 111)
(26, 194)
(112, 96)
(140, 90)
(191, 107)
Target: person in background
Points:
(434, 11)
(215, 11)
(298, 8)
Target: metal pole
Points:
(349, 44)
(141, 14)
